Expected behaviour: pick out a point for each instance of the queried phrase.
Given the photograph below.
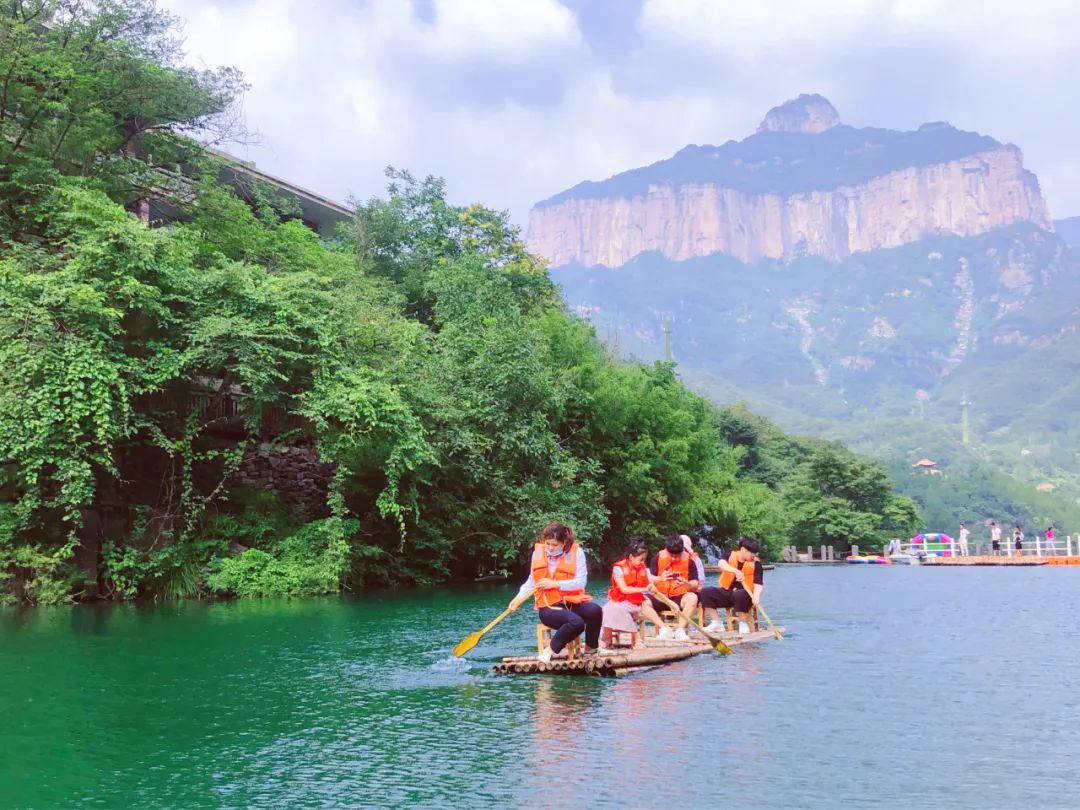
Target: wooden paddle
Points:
(717, 643)
(469, 642)
(768, 621)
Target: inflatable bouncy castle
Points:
(932, 544)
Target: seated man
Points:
(679, 574)
(742, 579)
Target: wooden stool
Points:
(619, 637)
(731, 621)
(543, 639)
(671, 619)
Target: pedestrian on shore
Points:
(1018, 540)
(995, 538)
(1050, 544)
(964, 534)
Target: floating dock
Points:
(982, 559)
(988, 559)
(626, 662)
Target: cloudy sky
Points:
(514, 100)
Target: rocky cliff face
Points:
(807, 113)
(770, 196)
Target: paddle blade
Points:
(470, 641)
(721, 647)
(466, 644)
(717, 644)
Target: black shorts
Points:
(713, 597)
(656, 603)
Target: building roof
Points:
(321, 212)
(924, 462)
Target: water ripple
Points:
(895, 688)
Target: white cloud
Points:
(506, 32)
(511, 103)
(749, 31)
(339, 95)
(1003, 67)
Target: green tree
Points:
(98, 89)
(424, 353)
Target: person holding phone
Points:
(679, 573)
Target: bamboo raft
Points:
(625, 662)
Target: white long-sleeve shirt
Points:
(578, 582)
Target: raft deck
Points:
(658, 653)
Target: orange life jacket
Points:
(680, 566)
(636, 575)
(565, 568)
(727, 579)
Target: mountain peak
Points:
(809, 113)
(803, 185)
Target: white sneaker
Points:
(744, 628)
(680, 635)
(714, 627)
(665, 632)
(544, 657)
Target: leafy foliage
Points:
(778, 162)
(425, 354)
(309, 562)
(827, 494)
(98, 89)
(879, 351)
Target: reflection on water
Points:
(896, 688)
(558, 725)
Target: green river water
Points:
(896, 687)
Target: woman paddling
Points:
(630, 581)
(557, 581)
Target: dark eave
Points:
(319, 212)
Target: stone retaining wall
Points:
(296, 474)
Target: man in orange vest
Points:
(557, 580)
(742, 580)
(679, 575)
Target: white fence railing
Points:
(1034, 546)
